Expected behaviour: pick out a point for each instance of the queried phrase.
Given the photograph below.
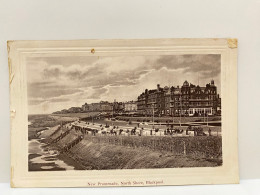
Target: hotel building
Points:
(187, 100)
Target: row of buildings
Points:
(103, 106)
(187, 100)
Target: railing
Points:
(62, 135)
(59, 127)
(73, 143)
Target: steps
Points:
(73, 143)
(55, 131)
(61, 136)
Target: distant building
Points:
(74, 109)
(219, 106)
(189, 100)
(85, 107)
(64, 111)
(130, 106)
(94, 107)
(105, 106)
(119, 107)
(102, 106)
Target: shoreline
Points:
(66, 158)
(50, 162)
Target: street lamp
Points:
(153, 114)
(181, 111)
(92, 117)
(204, 114)
(207, 120)
(172, 110)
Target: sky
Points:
(56, 83)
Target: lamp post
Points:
(181, 111)
(172, 110)
(172, 118)
(92, 117)
(113, 110)
(207, 120)
(153, 114)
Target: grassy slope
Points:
(105, 156)
(67, 139)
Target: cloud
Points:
(60, 100)
(207, 65)
(97, 93)
(73, 80)
(64, 60)
(47, 90)
(35, 101)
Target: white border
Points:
(18, 50)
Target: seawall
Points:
(126, 152)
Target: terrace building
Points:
(142, 103)
(85, 107)
(94, 107)
(130, 106)
(187, 100)
(100, 107)
(118, 106)
(105, 106)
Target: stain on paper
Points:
(232, 43)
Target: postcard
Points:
(100, 113)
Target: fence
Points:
(62, 135)
(208, 147)
(60, 127)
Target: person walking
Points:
(209, 132)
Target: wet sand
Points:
(44, 159)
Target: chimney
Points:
(158, 87)
(212, 82)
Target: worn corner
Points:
(9, 43)
(12, 177)
(11, 79)
(232, 43)
(9, 65)
(12, 184)
(11, 75)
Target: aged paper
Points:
(97, 113)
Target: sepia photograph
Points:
(98, 113)
(127, 112)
